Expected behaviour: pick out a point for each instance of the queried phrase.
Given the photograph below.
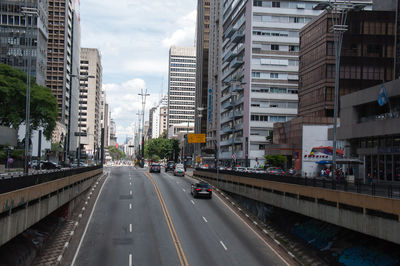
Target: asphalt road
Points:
(143, 219)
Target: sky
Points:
(134, 37)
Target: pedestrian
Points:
(322, 172)
(369, 178)
(327, 172)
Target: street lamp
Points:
(84, 79)
(29, 12)
(144, 94)
(339, 11)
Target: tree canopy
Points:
(275, 160)
(43, 108)
(162, 147)
(116, 154)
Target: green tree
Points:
(43, 111)
(162, 147)
(275, 160)
(116, 154)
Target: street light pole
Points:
(339, 11)
(144, 94)
(31, 13)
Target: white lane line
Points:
(130, 192)
(205, 220)
(130, 183)
(276, 241)
(223, 245)
(130, 259)
(130, 206)
(254, 222)
(130, 228)
(59, 258)
(192, 201)
(183, 190)
(256, 233)
(291, 254)
(87, 225)
(66, 244)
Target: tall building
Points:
(181, 87)
(113, 133)
(24, 38)
(150, 131)
(159, 118)
(203, 33)
(104, 117)
(257, 83)
(90, 94)
(63, 55)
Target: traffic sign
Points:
(196, 138)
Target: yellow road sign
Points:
(196, 138)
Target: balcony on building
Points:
(237, 37)
(237, 62)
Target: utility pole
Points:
(144, 94)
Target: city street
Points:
(151, 219)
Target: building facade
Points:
(24, 38)
(255, 46)
(373, 131)
(90, 99)
(181, 86)
(159, 118)
(104, 117)
(202, 46)
(367, 59)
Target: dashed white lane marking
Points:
(72, 233)
(265, 231)
(276, 241)
(66, 244)
(290, 254)
(130, 228)
(130, 192)
(254, 222)
(130, 259)
(223, 245)
(130, 183)
(76, 223)
(192, 202)
(205, 220)
(184, 190)
(59, 258)
(247, 215)
(130, 206)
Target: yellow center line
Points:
(174, 236)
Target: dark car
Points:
(201, 189)
(48, 165)
(155, 168)
(170, 166)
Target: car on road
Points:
(155, 168)
(201, 189)
(275, 171)
(170, 166)
(179, 170)
(48, 165)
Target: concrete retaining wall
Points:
(17, 220)
(387, 229)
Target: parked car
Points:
(275, 171)
(239, 169)
(201, 189)
(48, 165)
(259, 170)
(170, 166)
(179, 170)
(155, 168)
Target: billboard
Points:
(196, 138)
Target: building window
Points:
(255, 74)
(276, 4)
(293, 48)
(274, 75)
(257, 3)
(274, 47)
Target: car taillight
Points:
(284, 172)
(209, 190)
(197, 189)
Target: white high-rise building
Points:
(160, 118)
(253, 73)
(181, 88)
(90, 99)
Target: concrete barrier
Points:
(371, 215)
(22, 208)
(2, 168)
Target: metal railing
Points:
(23, 181)
(373, 189)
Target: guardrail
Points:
(373, 189)
(15, 183)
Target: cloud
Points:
(185, 32)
